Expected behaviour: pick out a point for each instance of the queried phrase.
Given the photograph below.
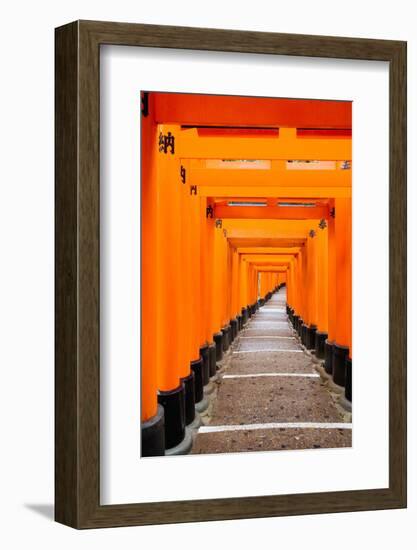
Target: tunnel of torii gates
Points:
(239, 196)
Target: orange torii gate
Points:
(198, 280)
(255, 265)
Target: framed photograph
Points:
(230, 274)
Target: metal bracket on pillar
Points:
(145, 103)
(166, 142)
(219, 223)
(193, 190)
(322, 224)
(183, 174)
(333, 212)
(209, 211)
(312, 233)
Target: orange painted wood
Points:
(299, 284)
(270, 212)
(217, 279)
(243, 282)
(205, 279)
(313, 279)
(149, 333)
(210, 267)
(277, 176)
(235, 284)
(168, 354)
(332, 274)
(322, 280)
(195, 320)
(305, 286)
(206, 272)
(251, 111)
(262, 191)
(283, 147)
(343, 271)
(188, 285)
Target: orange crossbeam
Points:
(271, 212)
(198, 109)
(285, 147)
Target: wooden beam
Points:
(199, 109)
(191, 146)
(268, 250)
(271, 269)
(272, 229)
(271, 212)
(277, 175)
(259, 258)
(266, 241)
(223, 192)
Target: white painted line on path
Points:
(260, 374)
(255, 321)
(269, 309)
(277, 425)
(269, 350)
(267, 337)
(266, 328)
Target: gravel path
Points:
(266, 382)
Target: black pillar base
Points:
(348, 380)
(197, 367)
(296, 320)
(340, 353)
(311, 337)
(234, 327)
(204, 354)
(244, 316)
(153, 435)
(300, 327)
(239, 322)
(328, 356)
(189, 391)
(249, 310)
(173, 402)
(304, 329)
(226, 337)
(319, 344)
(212, 360)
(218, 340)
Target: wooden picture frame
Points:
(77, 405)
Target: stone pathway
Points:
(269, 395)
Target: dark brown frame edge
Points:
(77, 274)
